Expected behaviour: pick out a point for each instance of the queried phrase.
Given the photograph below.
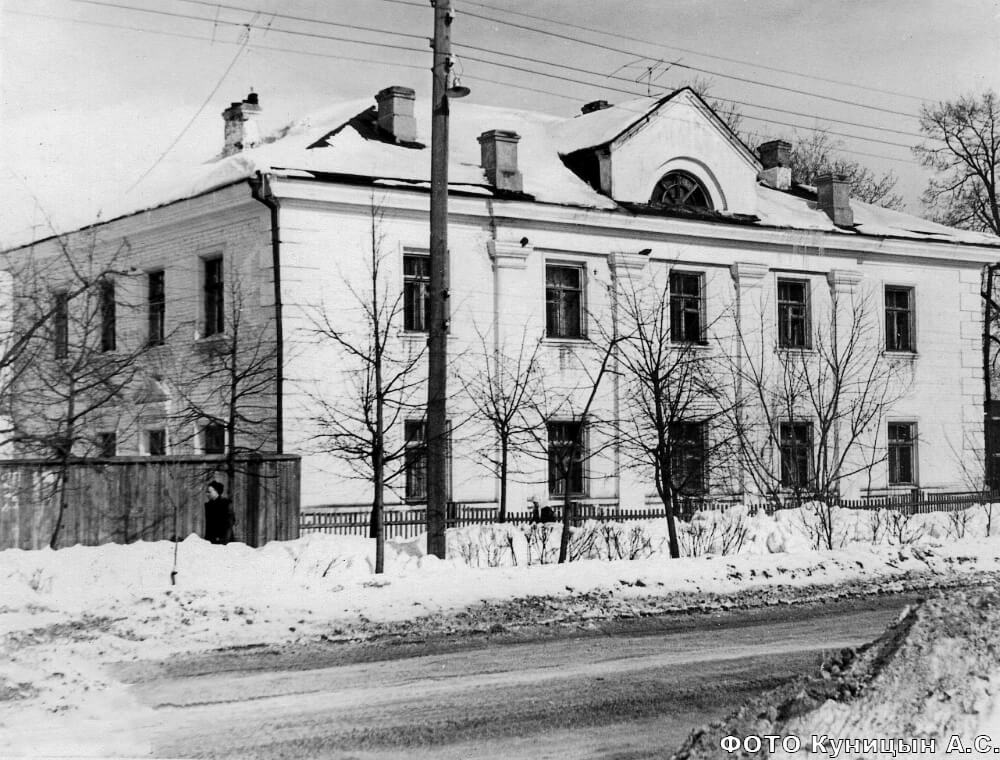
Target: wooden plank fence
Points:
(352, 520)
(125, 499)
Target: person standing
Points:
(219, 517)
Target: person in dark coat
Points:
(219, 517)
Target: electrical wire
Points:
(632, 92)
(188, 17)
(414, 66)
(214, 40)
(659, 43)
(664, 92)
(723, 75)
(197, 113)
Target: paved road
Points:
(621, 694)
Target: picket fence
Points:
(402, 522)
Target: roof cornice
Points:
(621, 224)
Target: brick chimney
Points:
(595, 105)
(242, 131)
(498, 148)
(395, 113)
(833, 195)
(776, 158)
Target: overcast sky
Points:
(95, 92)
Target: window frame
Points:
(678, 322)
(205, 432)
(213, 296)
(681, 455)
(891, 313)
(149, 435)
(415, 460)
(104, 437)
(108, 310)
(679, 176)
(894, 446)
(416, 287)
(156, 307)
(555, 302)
(791, 450)
(578, 475)
(785, 318)
(60, 324)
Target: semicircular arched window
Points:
(679, 188)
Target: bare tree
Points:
(671, 397)
(964, 149)
(503, 386)
(567, 454)
(231, 392)
(814, 152)
(727, 110)
(360, 425)
(805, 420)
(817, 152)
(75, 367)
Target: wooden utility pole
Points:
(436, 431)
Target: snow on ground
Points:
(929, 687)
(66, 613)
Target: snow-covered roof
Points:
(333, 143)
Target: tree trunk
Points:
(567, 504)
(61, 490)
(671, 505)
(502, 516)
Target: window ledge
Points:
(580, 340)
(904, 355)
(208, 340)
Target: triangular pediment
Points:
(625, 150)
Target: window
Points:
(60, 325)
(157, 305)
(686, 312)
(793, 314)
(107, 445)
(213, 439)
(899, 332)
(415, 460)
(563, 301)
(416, 284)
(687, 458)
(156, 442)
(566, 455)
(108, 316)
(796, 454)
(215, 321)
(902, 453)
(681, 189)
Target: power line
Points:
(188, 17)
(632, 92)
(699, 69)
(197, 113)
(414, 66)
(740, 61)
(355, 27)
(712, 97)
(212, 40)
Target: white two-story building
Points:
(547, 216)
